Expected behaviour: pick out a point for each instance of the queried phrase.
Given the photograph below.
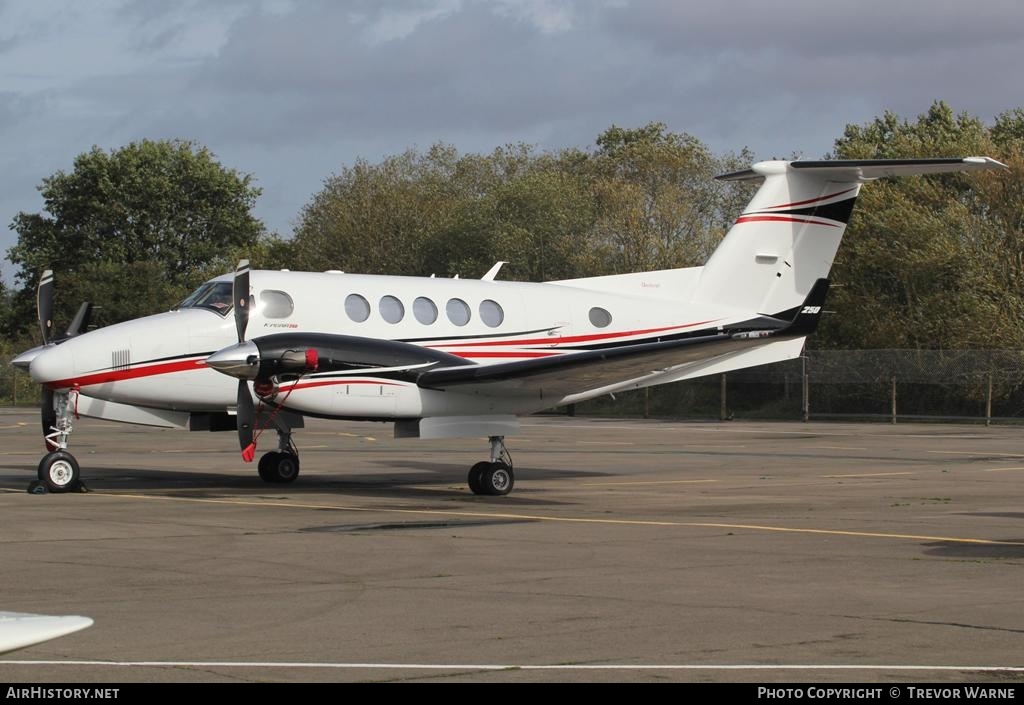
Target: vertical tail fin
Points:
(787, 237)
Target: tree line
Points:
(934, 262)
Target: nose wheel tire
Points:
(279, 467)
(494, 479)
(59, 472)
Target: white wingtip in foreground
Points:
(18, 629)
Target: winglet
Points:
(806, 320)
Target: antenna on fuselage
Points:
(493, 271)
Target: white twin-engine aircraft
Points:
(447, 358)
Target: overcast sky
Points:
(290, 91)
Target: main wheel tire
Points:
(266, 466)
(59, 471)
(475, 473)
(279, 467)
(497, 479)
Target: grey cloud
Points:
(291, 92)
(811, 27)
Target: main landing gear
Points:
(58, 470)
(281, 465)
(494, 477)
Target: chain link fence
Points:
(985, 385)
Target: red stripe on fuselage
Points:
(108, 376)
(554, 340)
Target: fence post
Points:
(988, 402)
(722, 411)
(806, 391)
(647, 402)
(894, 398)
(14, 387)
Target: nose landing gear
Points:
(58, 471)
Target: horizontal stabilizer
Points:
(861, 170)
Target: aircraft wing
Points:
(18, 629)
(572, 373)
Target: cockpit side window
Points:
(213, 296)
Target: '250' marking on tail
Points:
(811, 309)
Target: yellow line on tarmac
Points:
(1000, 469)
(983, 453)
(192, 450)
(691, 446)
(869, 474)
(542, 517)
(653, 482)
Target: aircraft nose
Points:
(53, 364)
(240, 360)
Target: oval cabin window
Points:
(357, 308)
(491, 313)
(599, 317)
(391, 309)
(424, 310)
(458, 312)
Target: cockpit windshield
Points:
(213, 296)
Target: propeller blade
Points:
(240, 292)
(81, 320)
(44, 305)
(47, 415)
(246, 418)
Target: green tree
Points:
(642, 199)
(932, 262)
(375, 218)
(657, 201)
(535, 215)
(164, 210)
